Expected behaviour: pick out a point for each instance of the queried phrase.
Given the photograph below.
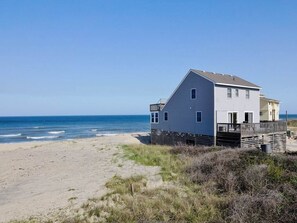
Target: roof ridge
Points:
(225, 79)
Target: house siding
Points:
(182, 109)
(266, 107)
(238, 104)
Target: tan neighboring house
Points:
(269, 109)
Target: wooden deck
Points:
(252, 129)
(247, 135)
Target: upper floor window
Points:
(229, 92)
(237, 92)
(154, 117)
(247, 94)
(165, 116)
(198, 116)
(193, 93)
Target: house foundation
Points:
(174, 138)
(230, 135)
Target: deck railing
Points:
(250, 129)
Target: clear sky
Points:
(117, 57)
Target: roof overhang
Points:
(239, 86)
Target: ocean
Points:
(290, 116)
(26, 129)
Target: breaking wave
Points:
(10, 135)
(42, 137)
(56, 132)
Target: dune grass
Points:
(292, 123)
(201, 184)
(206, 185)
(171, 165)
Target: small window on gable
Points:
(237, 92)
(154, 117)
(229, 92)
(198, 116)
(247, 94)
(193, 93)
(165, 116)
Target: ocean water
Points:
(290, 116)
(25, 129)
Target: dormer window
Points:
(193, 93)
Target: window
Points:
(232, 117)
(248, 117)
(165, 116)
(198, 117)
(229, 92)
(247, 94)
(236, 92)
(193, 93)
(154, 117)
(261, 113)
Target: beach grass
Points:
(201, 184)
(292, 123)
(204, 185)
(146, 155)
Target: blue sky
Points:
(117, 57)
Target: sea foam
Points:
(11, 135)
(56, 132)
(42, 137)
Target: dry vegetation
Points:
(292, 123)
(200, 185)
(256, 187)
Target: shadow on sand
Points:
(145, 139)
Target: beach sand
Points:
(291, 142)
(41, 178)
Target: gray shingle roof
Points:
(225, 79)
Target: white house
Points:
(205, 108)
(269, 109)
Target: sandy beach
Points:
(41, 178)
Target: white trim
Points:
(228, 112)
(195, 93)
(196, 116)
(164, 116)
(241, 86)
(250, 112)
(154, 119)
(158, 117)
(236, 91)
(215, 84)
(232, 85)
(229, 88)
(215, 112)
(247, 91)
